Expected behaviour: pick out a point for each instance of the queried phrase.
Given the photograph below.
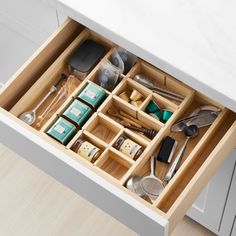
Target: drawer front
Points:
(89, 182)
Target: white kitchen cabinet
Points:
(80, 176)
(91, 182)
(228, 225)
(209, 208)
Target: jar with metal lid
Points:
(86, 149)
(128, 147)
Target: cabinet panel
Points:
(227, 227)
(15, 50)
(209, 207)
(33, 19)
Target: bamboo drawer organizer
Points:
(103, 131)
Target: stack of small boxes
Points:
(78, 112)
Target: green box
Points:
(93, 95)
(78, 112)
(62, 130)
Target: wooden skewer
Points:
(133, 119)
(114, 113)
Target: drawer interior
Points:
(102, 129)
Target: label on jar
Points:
(87, 150)
(129, 148)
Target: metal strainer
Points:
(150, 184)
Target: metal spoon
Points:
(29, 117)
(190, 132)
(150, 184)
(142, 79)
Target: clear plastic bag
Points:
(117, 61)
(123, 59)
(108, 75)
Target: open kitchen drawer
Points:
(103, 182)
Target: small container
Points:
(85, 58)
(92, 95)
(152, 107)
(78, 112)
(86, 149)
(157, 115)
(62, 130)
(166, 114)
(128, 147)
(125, 96)
(135, 95)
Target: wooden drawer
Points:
(103, 182)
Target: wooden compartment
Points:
(103, 128)
(135, 138)
(110, 56)
(86, 136)
(42, 85)
(94, 76)
(117, 108)
(193, 148)
(160, 79)
(129, 86)
(163, 104)
(113, 164)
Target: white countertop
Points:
(193, 40)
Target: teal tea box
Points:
(78, 112)
(62, 130)
(93, 95)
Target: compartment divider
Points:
(93, 137)
(70, 144)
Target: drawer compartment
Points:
(103, 180)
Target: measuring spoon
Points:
(190, 132)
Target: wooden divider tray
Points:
(103, 131)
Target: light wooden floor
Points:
(34, 204)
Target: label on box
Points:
(129, 148)
(75, 112)
(91, 94)
(59, 129)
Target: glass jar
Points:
(86, 149)
(128, 147)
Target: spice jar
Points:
(86, 149)
(128, 147)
